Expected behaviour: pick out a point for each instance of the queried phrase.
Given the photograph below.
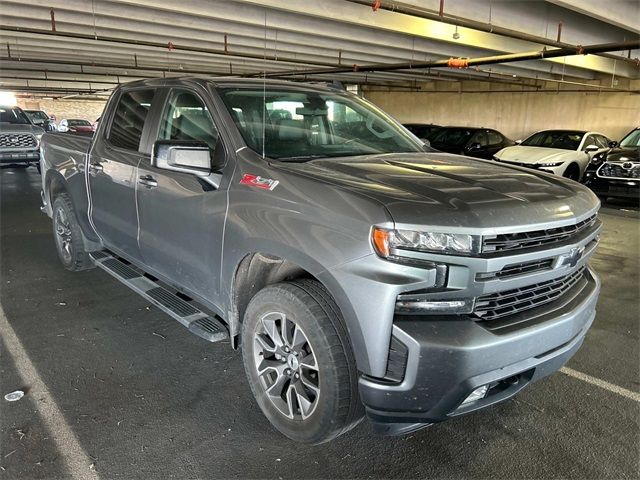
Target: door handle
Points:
(148, 181)
(95, 168)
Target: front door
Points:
(182, 216)
(112, 173)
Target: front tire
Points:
(68, 236)
(572, 172)
(299, 362)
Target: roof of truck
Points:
(231, 82)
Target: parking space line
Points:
(78, 463)
(601, 383)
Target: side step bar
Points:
(197, 321)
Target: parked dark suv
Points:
(19, 137)
(473, 142)
(616, 172)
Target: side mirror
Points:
(184, 156)
(518, 142)
(613, 144)
(426, 142)
(591, 148)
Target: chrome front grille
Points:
(517, 269)
(535, 238)
(620, 170)
(17, 140)
(511, 302)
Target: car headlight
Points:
(387, 241)
(39, 136)
(550, 164)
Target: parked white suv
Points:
(563, 152)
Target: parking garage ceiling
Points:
(86, 47)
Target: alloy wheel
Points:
(286, 365)
(63, 235)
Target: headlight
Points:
(385, 241)
(39, 136)
(550, 164)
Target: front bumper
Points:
(450, 358)
(614, 187)
(20, 156)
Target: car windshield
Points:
(562, 139)
(78, 123)
(37, 115)
(299, 125)
(632, 140)
(14, 116)
(452, 136)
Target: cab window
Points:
(187, 118)
(128, 119)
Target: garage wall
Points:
(84, 109)
(514, 113)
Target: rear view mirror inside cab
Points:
(184, 156)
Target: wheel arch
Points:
(258, 269)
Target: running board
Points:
(198, 322)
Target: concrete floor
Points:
(115, 389)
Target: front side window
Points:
(562, 139)
(300, 125)
(187, 118)
(129, 117)
(480, 138)
(590, 140)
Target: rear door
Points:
(112, 171)
(181, 215)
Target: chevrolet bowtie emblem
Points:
(572, 258)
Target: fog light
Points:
(477, 394)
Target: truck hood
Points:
(437, 189)
(534, 155)
(20, 128)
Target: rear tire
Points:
(299, 362)
(68, 236)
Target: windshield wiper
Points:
(300, 158)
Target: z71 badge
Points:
(258, 181)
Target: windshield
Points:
(302, 125)
(78, 123)
(562, 139)
(36, 115)
(13, 115)
(632, 140)
(452, 136)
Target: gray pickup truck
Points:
(359, 272)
